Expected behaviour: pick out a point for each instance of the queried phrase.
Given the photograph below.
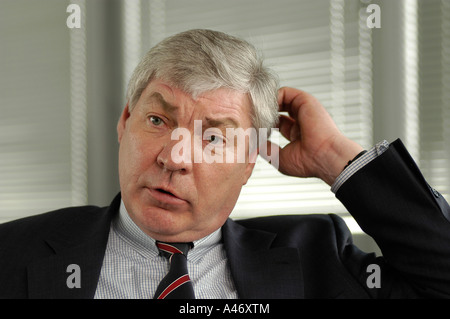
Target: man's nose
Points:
(176, 155)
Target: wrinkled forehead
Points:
(232, 107)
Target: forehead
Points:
(222, 102)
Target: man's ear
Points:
(251, 164)
(248, 172)
(121, 125)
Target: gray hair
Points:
(197, 61)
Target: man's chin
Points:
(165, 225)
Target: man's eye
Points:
(156, 120)
(215, 139)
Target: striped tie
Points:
(176, 284)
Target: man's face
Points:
(167, 193)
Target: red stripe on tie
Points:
(169, 248)
(174, 285)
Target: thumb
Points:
(270, 151)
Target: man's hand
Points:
(317, 148)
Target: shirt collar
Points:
(125, 227)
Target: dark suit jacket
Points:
(308, 256)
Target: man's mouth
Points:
(166, 196)
(164, 191)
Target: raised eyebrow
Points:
(164, 104)
(225, 122)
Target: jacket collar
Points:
(258, 267)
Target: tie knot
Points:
(168, 249)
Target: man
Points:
(174, 189)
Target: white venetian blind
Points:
(39, 170)
(434, 92)
(322, 46)
(319, 46)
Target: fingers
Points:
(290, 100)
(279, 158)
(303, 107)
(288, 128)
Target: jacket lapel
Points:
(70, 274)
(74, 268)
(258, 269)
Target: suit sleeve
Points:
(409, 220)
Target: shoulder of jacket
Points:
(288, 223)
(57, 217)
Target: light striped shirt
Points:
(132, 267)
(373, 153)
